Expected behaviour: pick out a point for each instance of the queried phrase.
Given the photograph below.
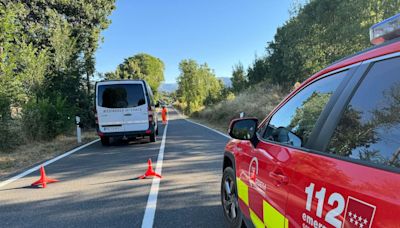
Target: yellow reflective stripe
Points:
(273, 218)
(243, 191)
(257, 222)
(286, 223)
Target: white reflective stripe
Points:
(148, 218)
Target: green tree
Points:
(197, 85)
(87, 19)
(22, 66)
(317, 34)
(239, 78)
(141, 66)
(47, 56)
(258, 71)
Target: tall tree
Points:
(87, 19)
(258, 71)
(197, 85)
(46, 57)
(239, 78)
(141, 66)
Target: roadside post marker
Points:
(78, 129)
(44, 180)
(150, 171)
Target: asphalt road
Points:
(98, 185)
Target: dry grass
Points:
(29, 154)
(257, 101)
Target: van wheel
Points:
(229, 199)
(105, 141)
(153, 137)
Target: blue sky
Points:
(219, 32)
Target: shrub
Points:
(10, 136)
(46, 118)
(256, 101)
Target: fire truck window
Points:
(370, 126)
(293, 122)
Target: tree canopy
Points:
(140, 66)
(239, 78)
(47, 56)
(318, 33)
(197, 85)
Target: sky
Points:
(220, 33)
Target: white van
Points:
(125, 109)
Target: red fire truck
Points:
(329, 154)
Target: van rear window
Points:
(120, 95)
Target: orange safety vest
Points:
(164, 115)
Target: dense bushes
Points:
(42, 120)
(46, 119)
(9, 128)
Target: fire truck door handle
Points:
(128, 114)
(280, 178)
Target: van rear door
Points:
(137, 115)
(121, 107)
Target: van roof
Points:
(118, 81)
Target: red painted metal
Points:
(313, 190)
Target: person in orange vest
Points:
(164, 115)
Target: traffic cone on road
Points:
(44, 180)
(150, 172)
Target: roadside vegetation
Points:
(47, 64)
(252, 101)
(198, 87)
(140, 66)
(318, 33)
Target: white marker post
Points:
(78, 129)
(241, 115)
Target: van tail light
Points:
(150, 115)
(96, 118)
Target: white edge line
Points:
(151, 206)
(31, 170)
(211, 129)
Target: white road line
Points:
(216, 131)
(211, 129)
(31, 170)
(151, 206)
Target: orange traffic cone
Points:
(44, 180)
(150, 172)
